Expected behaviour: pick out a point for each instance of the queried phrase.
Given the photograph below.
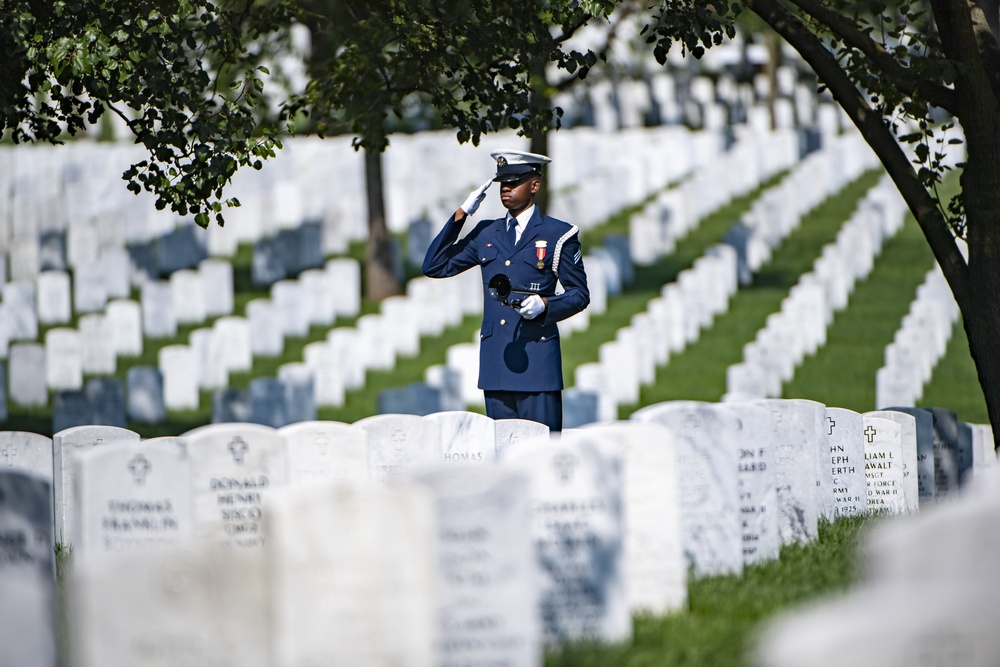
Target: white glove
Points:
(531, 307)
(476, 198)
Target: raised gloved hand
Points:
(476, 197)
(532, 307)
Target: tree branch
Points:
(901, 77)
(621, 15)
(878, 136)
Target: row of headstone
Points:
(190, 296)
(757, 475)
(927, 595)
(799, 328)
(456, 562)
(566, 538)
(685, 307)
(654, 230)
(669, 323)
(377, 448)
(918, 344)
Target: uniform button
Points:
(502, 322)
(507, 262)
(543, 337)
(484, 259)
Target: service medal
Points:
(540, 247)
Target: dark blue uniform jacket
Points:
(516, 354)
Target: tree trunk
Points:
(771, 71)
(542, 103)
(981, 313)
(540, 145)
(380, 278)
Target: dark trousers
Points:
(544, 407)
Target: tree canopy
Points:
(184, 75)
(470, 62)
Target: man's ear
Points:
(535, 185)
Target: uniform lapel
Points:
(531, 230)
(500, 233)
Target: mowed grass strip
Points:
(725, 613)
(842, 373)
(699, 371)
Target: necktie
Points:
(511, 232)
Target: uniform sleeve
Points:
(448, 256)
(573, 277)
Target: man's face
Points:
(517, 195)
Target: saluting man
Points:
(520, 363)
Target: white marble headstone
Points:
(655, 570)
(158, 317)
(908, 442)
(63, 359)
(65, 445)
(487, 597)
(884, 465)
(575, 496)
(320, 452)
(510, 432)
(466, 437)
(26, 375)
(758, 492)
(400, 443)
(131, 497)
(27, 569)
(180, 377)
(204, 604)
(846, 443)
(54, 303)
(125, 319)
(709, 482)
(798, 433)
(351, 573)
(26, 452)
(234, 468)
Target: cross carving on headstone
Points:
(398, 437)
(691, 421)
(564, 464)
(322, 441)
(238, 448)
(139, 465)
(870, 433)
(10, 453)
(832, 424)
